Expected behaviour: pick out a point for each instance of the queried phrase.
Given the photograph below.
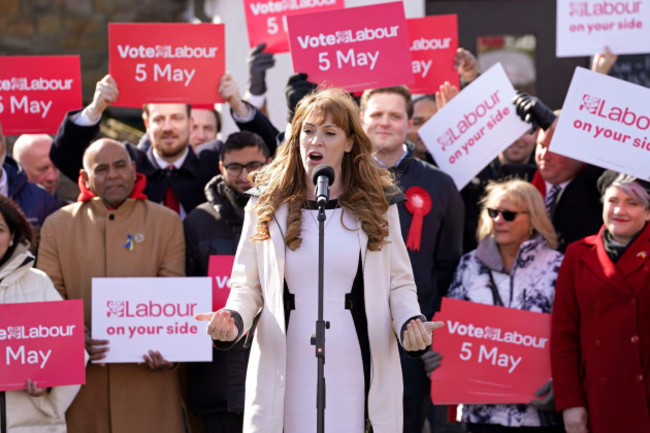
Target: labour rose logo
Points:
(115, 308)
(14, 331)
(590, 103)
(445, 140)
(343, 37)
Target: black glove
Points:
(547, 400)
(258, 63)
(530, 109)
(297, 87)
(431, 360)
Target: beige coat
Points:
(86, 240)
(390, 296)
(19, 282)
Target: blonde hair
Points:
(524, 196)
(363, 182)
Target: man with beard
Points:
(216, 389)
(175, 174)
(431, 222)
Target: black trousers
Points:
(223, 422)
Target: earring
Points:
(11, 244)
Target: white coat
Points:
(19, 282)
(257, 282)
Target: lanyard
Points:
(496, 297)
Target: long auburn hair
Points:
(363, 182)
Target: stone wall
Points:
(69, 27)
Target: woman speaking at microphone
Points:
(369, 293)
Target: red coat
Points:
(600, 346)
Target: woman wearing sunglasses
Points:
(515, 266)
(600, 340)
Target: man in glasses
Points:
(216, 389)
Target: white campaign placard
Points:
(141, 314)
(605, 122)
(477, 124)
(585, 27)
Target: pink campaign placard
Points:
(433, 44)
(219, 269)
(266, 19)
(174, 62)
(354, 48)
(42, 341)
(491, 354)
(37, 91)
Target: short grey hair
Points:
(630, 185)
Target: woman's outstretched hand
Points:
(418, 334)
(221, 325)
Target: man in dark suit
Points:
(434, 245)
(569, 188)
(175, 174)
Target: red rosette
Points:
(418, 203)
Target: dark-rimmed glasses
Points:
(508, 215)
(234, 169)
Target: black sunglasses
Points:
(508, 215)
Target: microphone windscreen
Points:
(323, 170)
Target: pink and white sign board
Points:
(605, 122)
(354, 48)
(166, 63)
(42, 341)
(585, 27)
(37, 91)
(433, 44)
(491, 354)
(477, 124)
(267, 19)
(140, 314)
(219, 270)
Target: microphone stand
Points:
(318, 340)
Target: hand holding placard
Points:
(155, 361)
(602, 63)
(31, 388)
(106, 93)
(467, 65)
(445, 94)
(96, 348)
(259, 62)
(545, 397)
(229, 91)
(221, 325)
(431, 360)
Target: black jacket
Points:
(578, 211)
(214, 228)
(187, 181)
(440, 249)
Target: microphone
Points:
(323, 177)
